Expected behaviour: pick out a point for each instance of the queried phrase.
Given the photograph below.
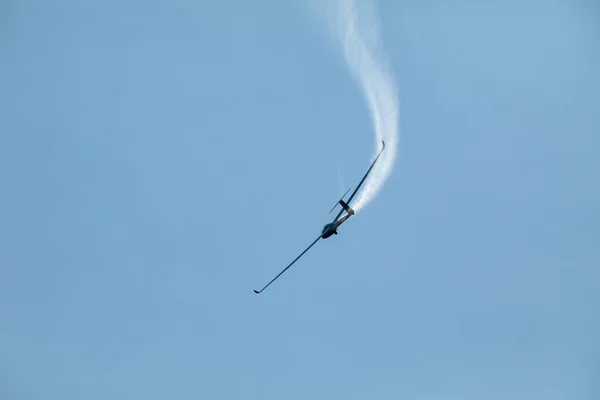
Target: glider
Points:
(331, 228)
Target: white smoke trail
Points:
(358, 30)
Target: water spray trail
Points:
(358, 31)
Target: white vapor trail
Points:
(358, 30)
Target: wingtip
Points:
(383, 144)
(256, 291)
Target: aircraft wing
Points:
(362, 181)
(285, 269)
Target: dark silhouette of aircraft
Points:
(331, 228)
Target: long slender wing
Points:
(285, 269)
(362, 180)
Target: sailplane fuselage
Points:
(331, 228)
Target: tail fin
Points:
(346, 207)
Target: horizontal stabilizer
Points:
(338, 201)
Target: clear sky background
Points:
(161, 159)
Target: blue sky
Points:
(159, 160)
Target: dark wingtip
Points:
(256, 291)
(383, 144)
